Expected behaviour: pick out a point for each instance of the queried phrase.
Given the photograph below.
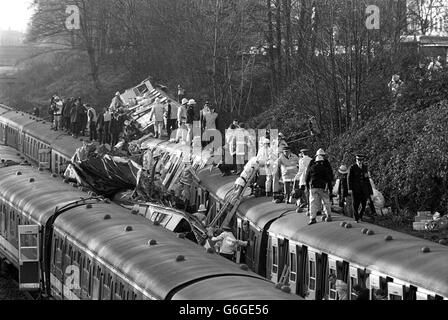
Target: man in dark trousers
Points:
(359, 186)
(319, 178)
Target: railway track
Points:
(9, 286)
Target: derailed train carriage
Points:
(406, 267)
(72, 246)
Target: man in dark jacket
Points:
(359, 186)
(319, 178)
(343, 187)
(74, 117)
(191, 117)
(66, 113)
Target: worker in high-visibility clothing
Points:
(289, 164)
(267, 159)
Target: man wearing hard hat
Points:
(319, 179)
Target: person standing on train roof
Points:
(359, 186)
(180, 93)
(191, 117)
(319, 182)
(58, 104)
(288, 163)
(83, 119)
(92, 119)
(74, 117)
(229, 243)
(204, 111)
(343, 188)
(100, 126)
(171, 112)
(116, 103)
(107, 115)
(51, 110)
(36, 112)
(66, 114)
(181, 122)
(304, 162)
(115, 129)
(157, 112)
(281, 143)
(245, 147)
(267, 160)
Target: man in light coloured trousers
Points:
(319, 198)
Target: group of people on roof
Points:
(308, 181)
(76, 118)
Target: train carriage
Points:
(76, 247)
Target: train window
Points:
(353, 282)
(55, 247)
(85, 282)
(312, 270)
(293, 265)
(96, 284)
(332, 285)
(106, 287)
(395, 291)
(274, 259)
(254, 246)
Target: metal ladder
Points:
(233, 201)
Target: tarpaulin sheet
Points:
(105, 175)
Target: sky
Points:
(15, 14)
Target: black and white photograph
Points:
(241, 156)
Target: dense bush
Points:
(408, 155)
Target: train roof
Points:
(37, 199)
(38, 128)
(10, 155)
(17, 119)
(154, 266)
(236, 287)
(401, 258)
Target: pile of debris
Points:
(426, 221)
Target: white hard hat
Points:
(184, 101)
(191, 102)
(320, 152)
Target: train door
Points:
(273, 259)
(293, 262)
(311, 274)
(29, 271)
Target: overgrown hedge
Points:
(408, 155)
